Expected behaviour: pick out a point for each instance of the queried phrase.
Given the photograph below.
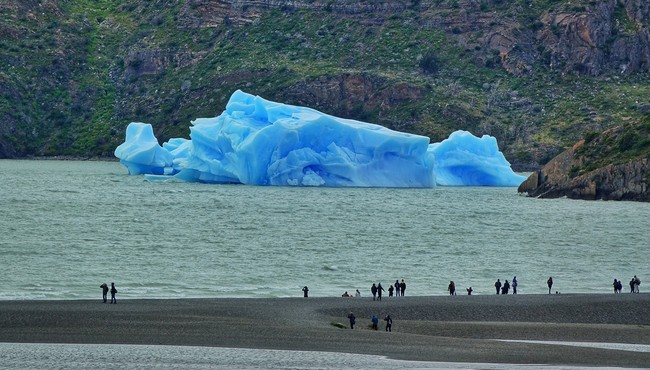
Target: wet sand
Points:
(441, 328)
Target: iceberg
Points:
(466, 160)
(259, 142)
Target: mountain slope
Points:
(537, 75)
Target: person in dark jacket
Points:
(402, 287)
(104, 287)
(373, 290)
(352, 319)
(452, 288)
(506, 288)
(498, 285)
(305, 292)
(549, 282)
(379, 290)
(389, 323)
(113, 291)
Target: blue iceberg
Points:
(466, 160)
(259, 142)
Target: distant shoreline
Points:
(434, 328)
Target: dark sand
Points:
(456, 329)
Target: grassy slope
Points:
(73, 93)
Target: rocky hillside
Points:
(613, 165)
(536, 74)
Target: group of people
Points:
(634, 285)
(501, 288)
(504, 288)
(374, 320)
(105, 291)
(377, 290)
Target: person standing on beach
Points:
(514, 285)
(375, 322)
(402, 287)
(637, 282)
(390, 291)
(469, 291)
(632, 285)
(352, 319)
(104, 291)
(373, 290)
(397, 288)
(549, 282)
(113, 291)
(389, 323)
(506, 287)
(498, 285)
(357, 294)
(451, 288)
(379, 290)
(305, 292)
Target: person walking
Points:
(104, 291)
(402, 287)
(632, 285)
(305, 291)
(373, 290)
(549, 282)
(497, 285)
(379, 290)
(389, 323)
(113, 292)
(637, 282)
(352, 319)
(514, 285)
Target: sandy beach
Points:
(440, 328)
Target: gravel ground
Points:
(441, 328)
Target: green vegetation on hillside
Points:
(76, 73)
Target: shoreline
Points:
(426, 328)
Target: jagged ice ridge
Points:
(259, 142)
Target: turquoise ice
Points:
(259, 142)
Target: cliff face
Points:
(595, 170)
(591, 38)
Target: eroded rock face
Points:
(349, 91)
(591, 39)
(626, 181)
(608, 35)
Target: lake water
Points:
(68, 226)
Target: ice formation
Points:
(466, 160)
(259, 142)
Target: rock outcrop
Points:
(579, 174)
